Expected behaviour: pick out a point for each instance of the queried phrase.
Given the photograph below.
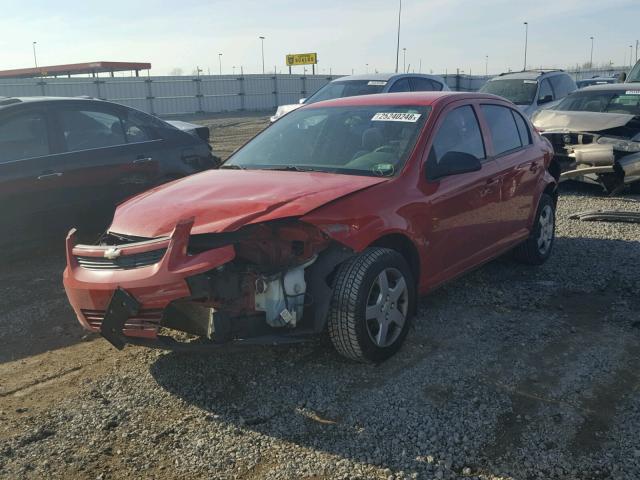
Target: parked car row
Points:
(334, 218)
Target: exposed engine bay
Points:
(278, 281)
(600, 148)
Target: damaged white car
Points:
(595, 133)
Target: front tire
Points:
(537, 248)
(373, 297)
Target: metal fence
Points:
(188, 95)
(176, 95)
(214, 93)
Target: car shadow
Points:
(445, 390)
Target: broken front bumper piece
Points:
(607, 216)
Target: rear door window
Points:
(85, 129)
(459, 132)
(502, 125)
(24, 135)
(139, 127)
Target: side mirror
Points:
(622, 77)
(302, 100)
(453, 163)
(545, 99)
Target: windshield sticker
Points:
(379, 83)
(396, 117)
(632, 92)
(530, 81)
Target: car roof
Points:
(404, 98)
(527, 74)
(7, 101)
(386, 77)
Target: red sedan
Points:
(333, 218)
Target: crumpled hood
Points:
(562, 121)
(225, 200)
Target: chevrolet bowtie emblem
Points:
(112, 253)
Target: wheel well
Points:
(555, 169)
(405, 247)
(552, 191)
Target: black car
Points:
(68, 160)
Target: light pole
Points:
(630, 56)
(366, 66)
(486, 65)
(234, 69)
(35, 59)
(591, 57)
(220, 63)
(526, 38)
(404, 59)
(398, 43)
(262, 40)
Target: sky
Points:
(356, 35)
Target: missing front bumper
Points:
(123, 306)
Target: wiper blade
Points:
(232, 167)
(292, 168)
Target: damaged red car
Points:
(333, 219)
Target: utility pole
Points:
(262, 40)
(35, 59)
(398, 43)
(591, 57)
(404, 59)
(526, 38)
(220, 63)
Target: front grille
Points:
(145, 320)
(125, 262)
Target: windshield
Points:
(348, 88)
(366, 140)
(519, 91)
(634, 74)
(617, 101)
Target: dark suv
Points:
(60, 156)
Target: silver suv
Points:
(531, 89)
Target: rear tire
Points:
(373, 298)
(537, 248)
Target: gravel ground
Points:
(510, 372)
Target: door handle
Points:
(49, 175)
(143, 159)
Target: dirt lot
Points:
(508, 373)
